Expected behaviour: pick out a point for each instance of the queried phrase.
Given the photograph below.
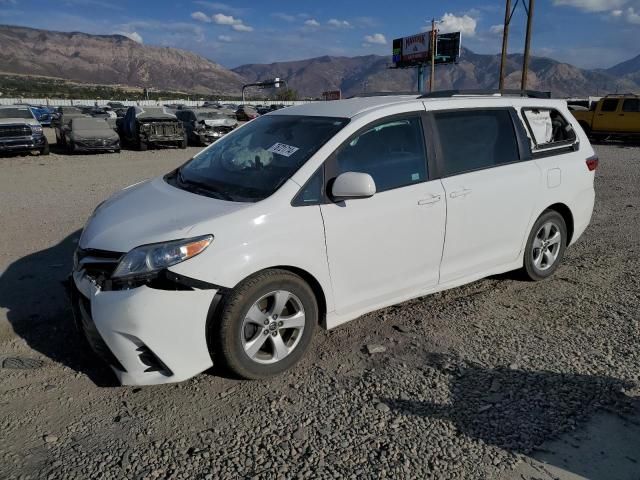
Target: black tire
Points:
(184, 143)
(142, 145)
(530, 269)
(46, 149)
(227, 334)
(71, 147)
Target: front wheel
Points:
(545, 246)
(45, 150)
(266, 324)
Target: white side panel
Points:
(384, 246)
(488, 214)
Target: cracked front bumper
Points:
(148, 336)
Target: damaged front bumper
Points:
(148, 335)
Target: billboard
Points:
(416, 49)
(332, 95)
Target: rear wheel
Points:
(266, 324)
(185, 141)
(545, 246)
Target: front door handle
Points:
(460, 193)
(429, 201)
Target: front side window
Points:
(610, 105)
(475, 139)
(393, 153)
(252, 162)
(631, 105)
(548, 128)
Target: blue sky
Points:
(587, 33)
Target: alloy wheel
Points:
(546, 246)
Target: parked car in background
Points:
(42, 115)
(244, 113)
(262, 110)
(117, 105)
(612, 116)
(60, 122)
(84, 134)
(20, 131)
(205, 125)
(320, 214)
(143, 127)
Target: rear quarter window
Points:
(547, 128)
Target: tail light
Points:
(592, 163)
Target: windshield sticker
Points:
(282, 149)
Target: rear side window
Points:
(548, 128)
(609, 105)
(392, 152)
(631, 105)
(475, 139)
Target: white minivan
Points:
(320, 213)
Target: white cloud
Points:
(452, 23)
(375, 39)
(225, 38)
(135, 36)
(241, 27)
(617, 13)
(201, 17)
(496, 29)
(235, 23)
(284, 16)
(633, 16)
(591, 5)
(335, 23)
(221, 7)
(312, 22)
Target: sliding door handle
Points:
(460, 193)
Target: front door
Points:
(389, 245)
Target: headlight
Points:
(36, 129)
(158, 256)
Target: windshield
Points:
(89, 124)
(16, 113)
(251, 163)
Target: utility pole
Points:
(505, 42)
(432, 82)
(527, 44)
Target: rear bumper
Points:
(147, 336)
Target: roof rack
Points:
(385, 94)
(489, 92)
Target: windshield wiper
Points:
(204, 187)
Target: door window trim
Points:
(522, 140)
(331, 167)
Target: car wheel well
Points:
(315, 286)
(565, 211)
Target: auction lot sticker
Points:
(282, 149)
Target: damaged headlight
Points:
(148, 259)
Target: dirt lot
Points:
(498, 379)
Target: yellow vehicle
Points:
(613, 115)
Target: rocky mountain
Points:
(629, 70)
(353, 74)
(110, 59)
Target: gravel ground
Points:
(463, 384)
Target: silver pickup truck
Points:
(20, 131)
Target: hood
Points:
(149, 212)
(107, 134)
(21, 121)
(220, 122)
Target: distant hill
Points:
(110, 59)
(116, 60)
(313, 76)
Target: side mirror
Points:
(350, 185)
